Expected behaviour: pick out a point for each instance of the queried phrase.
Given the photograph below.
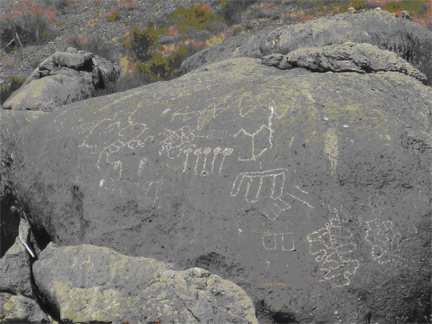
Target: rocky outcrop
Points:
(349, 57)
(18, 300)
(408, 40)
(95, 284)
(62, 78)
(20, 309)
(311, 191)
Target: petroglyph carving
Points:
(333, 247)
(110, 159)
(206, 151)
(112, 139)
(214, 134)
(142, 163)
(197, 152)
(216, 150)
(252, 185)
(227, 151)
(177, 141)
(203, 117)
(103, 127)
(255, 143)
(270, 125)
(278, 241)
(384, 239)
(151, 190)
(187, 152)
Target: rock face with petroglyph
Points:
(310, 191)
(407, 39)
(89, 284)
(62, 78)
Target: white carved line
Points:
(270, 125)
(197, 152)
(226, 152)
(272, 211)
(206, 152)
(216, 150)
(142, 162)
(187, 152)
(254, 157)
(285, 238)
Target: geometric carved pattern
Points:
(333, 247)
(384, 240)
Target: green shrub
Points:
(113, 16)
(170, 67)
(13, 84)
(141, 41)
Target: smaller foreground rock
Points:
(15, 266)
(348, 57)
(63, 78)
(88, 283)
(20, 309)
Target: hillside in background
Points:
(150, 38)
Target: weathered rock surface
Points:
(88, 283)
(408, 40)
(349, 57)
(62, 78)
(20, 309)
(311, 191)
(11, 123)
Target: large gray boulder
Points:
(407, 39)
(62, 78)
(88, 284)
(311, 191)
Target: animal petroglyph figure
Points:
(278, 241)
(267, 186)
(110, 159)
(334, 248)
